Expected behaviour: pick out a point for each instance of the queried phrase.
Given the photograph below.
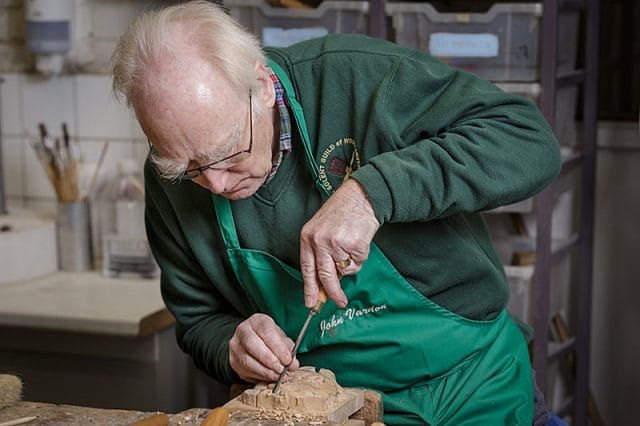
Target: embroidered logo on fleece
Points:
(338, 161)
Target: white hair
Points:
(225, 44)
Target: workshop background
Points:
(80, 331)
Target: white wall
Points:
(93, 117)
(615, 348)
(80, 97)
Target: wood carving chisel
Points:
(322, 298)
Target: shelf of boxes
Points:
(500, 44)
(280, 26)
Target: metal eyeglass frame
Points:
(196, 172)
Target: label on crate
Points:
(282, 37)
(481, 45)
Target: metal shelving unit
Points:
(550, 252)
(545, 351)
(377, 19)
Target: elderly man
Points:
(346, 164)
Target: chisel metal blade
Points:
(294, 351)
(322, 298)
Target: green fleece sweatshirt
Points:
(432, 147)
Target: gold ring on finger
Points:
(343, 263)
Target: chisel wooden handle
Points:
(217, 417)
(322, 299)
(160, 419)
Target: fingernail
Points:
(308, 301)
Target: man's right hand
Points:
(259, 350)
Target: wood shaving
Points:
(288, 417)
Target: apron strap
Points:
(302, 124)
(226, 223)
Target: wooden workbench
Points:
(71, 415)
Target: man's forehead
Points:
(190, 122)
(196, 144)
(215, 139)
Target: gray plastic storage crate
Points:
(501, 44)
(278, 26)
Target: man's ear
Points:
(267, 92)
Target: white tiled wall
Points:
(83, 100)
(94, 118)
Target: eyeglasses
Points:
(236, 157)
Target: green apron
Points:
(431, 365)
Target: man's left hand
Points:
(259, 350)
(335, 242)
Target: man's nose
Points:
(215, 180)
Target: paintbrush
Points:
(60, 160)
(70, 153)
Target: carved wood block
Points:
(373, 409)
(308, 397)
